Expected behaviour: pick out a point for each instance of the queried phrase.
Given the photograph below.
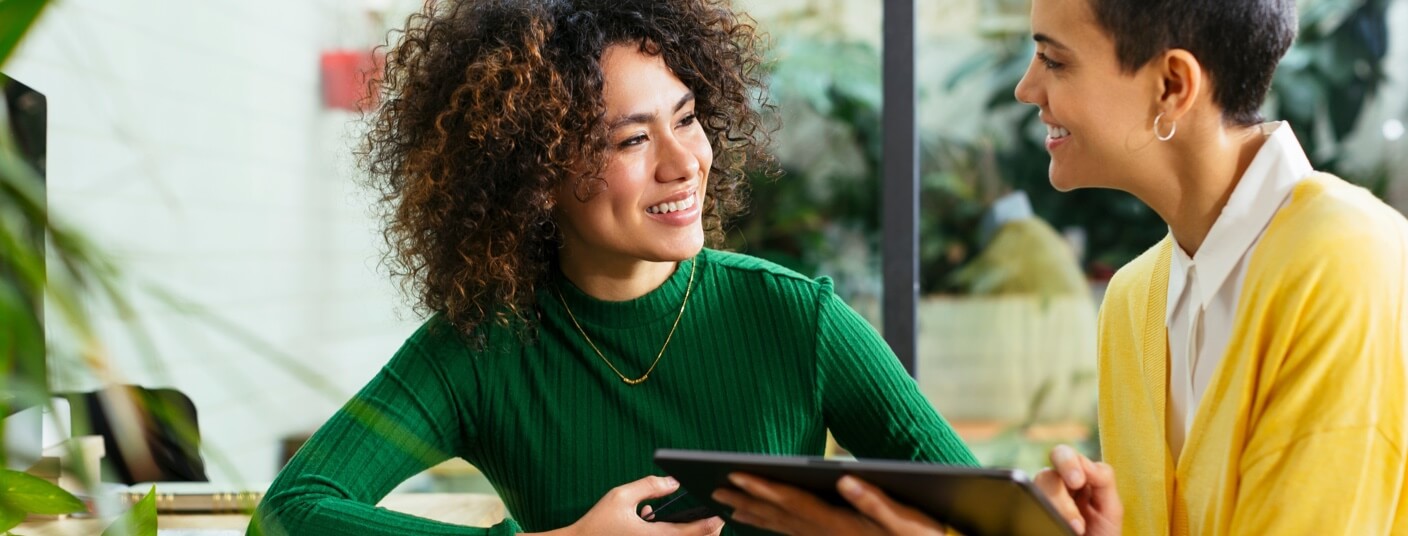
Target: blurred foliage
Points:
(824, 210)
(16, 17)
(52, 271)
(139, 521)
(22, 494)
(1321, 87)
(823, 214)
(1025, 256)
(28, 281)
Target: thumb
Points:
(649, 487)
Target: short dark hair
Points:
(1238, 42)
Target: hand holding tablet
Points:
(976, 502)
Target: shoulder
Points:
(753, 273)
(438, 341)
(1130, 283)
(1335, 232)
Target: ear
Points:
(1183, 83)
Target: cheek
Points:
(625, 177)
(704, 153)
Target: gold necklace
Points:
(635, 381)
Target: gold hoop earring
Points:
(1171, 131)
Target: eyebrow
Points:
(1043, 38)
(646, 117)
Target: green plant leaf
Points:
(16, 16)
(34, 495)
(139, 521)
(10, 517)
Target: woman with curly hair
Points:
(551, 171)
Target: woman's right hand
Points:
(1083, 492)
(616, 513)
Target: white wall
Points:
(189, 140)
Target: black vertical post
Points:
(900, 198)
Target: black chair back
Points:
(161, 443)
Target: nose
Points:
(1028, 90)
(676, 160)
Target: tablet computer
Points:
(973, 501)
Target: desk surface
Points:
(471, 509)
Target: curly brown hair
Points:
(490, 105)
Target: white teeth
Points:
(673, 206)
(1056, 133)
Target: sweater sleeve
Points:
(1325, 453)
(401, 423)
(873, 408)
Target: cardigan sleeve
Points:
(873, 408)
(1325, 454)
(401, 423)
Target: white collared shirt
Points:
(1203, 290)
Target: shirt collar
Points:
(1273, 173)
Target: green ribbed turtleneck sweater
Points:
(764, 360)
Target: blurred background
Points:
(206, 148)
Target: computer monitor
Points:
(24, 116)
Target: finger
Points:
(1105, 493)
(875, 504)
(757, 487)
(646, 488)
(1098, 474)
(751, 510)
(779, 494)
(702, 527)
(746, 505)
(1066, 461)
(647, 513)
(1054, 488)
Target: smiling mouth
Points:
(673, 206)
(1056, 133)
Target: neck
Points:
(1204, 168)
(614, 279)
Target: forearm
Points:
(398, 425)
(898, 424)
(316, 510)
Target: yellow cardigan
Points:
(1302, 428)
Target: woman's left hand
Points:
(788, 510)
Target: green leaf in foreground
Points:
(16, 16)
(33, 495)
(9, 518)
(139, 521)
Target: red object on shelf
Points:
(345, 75)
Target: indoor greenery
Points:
(822, 214)
(79, 271)
(823, 211)
(1320, 87)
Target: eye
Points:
(688, 120)
(632, 141)
(1053, 65)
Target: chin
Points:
(687, 252)
(1065, 180)
(1062, 186)
(680, 249)
(1059, 179)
